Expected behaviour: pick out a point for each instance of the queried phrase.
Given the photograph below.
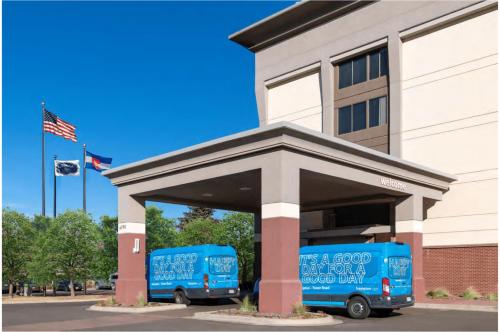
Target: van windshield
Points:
(399, 267)
(222, 264)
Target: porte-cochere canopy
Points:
(275, 172)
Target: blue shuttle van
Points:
(197, 272)
(360, 277)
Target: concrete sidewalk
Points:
(458, 304)
(52, 299)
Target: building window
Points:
(355, 117)
(345, 120)
(359, 116)
(378, 63)
(378, 111)
(357, 70)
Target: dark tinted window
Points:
(344, 120)
(374, 65)
(384, 65)
(345, 74)
(359, 116)
(369, 214)
(378, 111)
(359, 70)
(374, 112)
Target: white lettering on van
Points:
(343, 268)
(173, 267)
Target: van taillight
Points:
(205, 281)
(386, 287)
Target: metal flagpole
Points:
(84, 178)
(55, 192)
(43, 160)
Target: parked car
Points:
(5, 288)
(63, 285)
(103, 284)
(361, 277)
(33, 288)
(112, 280)
(207, 271)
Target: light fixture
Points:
(245, 188)
(207, 195)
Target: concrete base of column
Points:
(279, 296)
(414, 239)
(419, 289)
(128, 291)
(280, 287)
(131, 281)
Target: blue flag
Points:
(97, 163)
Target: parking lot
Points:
(74, 316)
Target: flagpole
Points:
(84, 178)
(55, 192)
(43, 160)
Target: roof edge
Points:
(276, 129)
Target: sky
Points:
(136, 79)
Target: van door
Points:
(400, 273)
(223, 271)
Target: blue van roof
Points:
(396, 247)
(207, 248)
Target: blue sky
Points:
(136, 79)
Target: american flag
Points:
(53, 124)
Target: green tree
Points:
(41, 269)
(107, 262)
(17, 235)
(195, 213)
(161, 232)
(237, 230)
(73, 240)
(199, 231)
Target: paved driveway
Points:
(73, 316)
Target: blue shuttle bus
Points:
(197, 272)
(359, 277)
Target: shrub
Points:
(438, 293)
(141, 301)
(300, 309)
(492, 297)
(110, 301)
(247, 305)
(471, 294)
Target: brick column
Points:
(280, 287)
(131, 281)
(409, 228)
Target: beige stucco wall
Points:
(449, 122)
(298, 101)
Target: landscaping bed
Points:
(239, 312)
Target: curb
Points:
(460, 307)
(212, 316)
(132, 310)
(54, 301)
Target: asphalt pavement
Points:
(74, 316)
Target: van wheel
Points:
(358, 308)
(180, 298)
(383, 312)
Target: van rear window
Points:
(399, 267)
(222, 264)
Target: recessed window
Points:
(345, 120)
(378, 63)
(345, 74)
(367, 66)
(355, 117)
(359, 116)
(359, 70)
(378, 111)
